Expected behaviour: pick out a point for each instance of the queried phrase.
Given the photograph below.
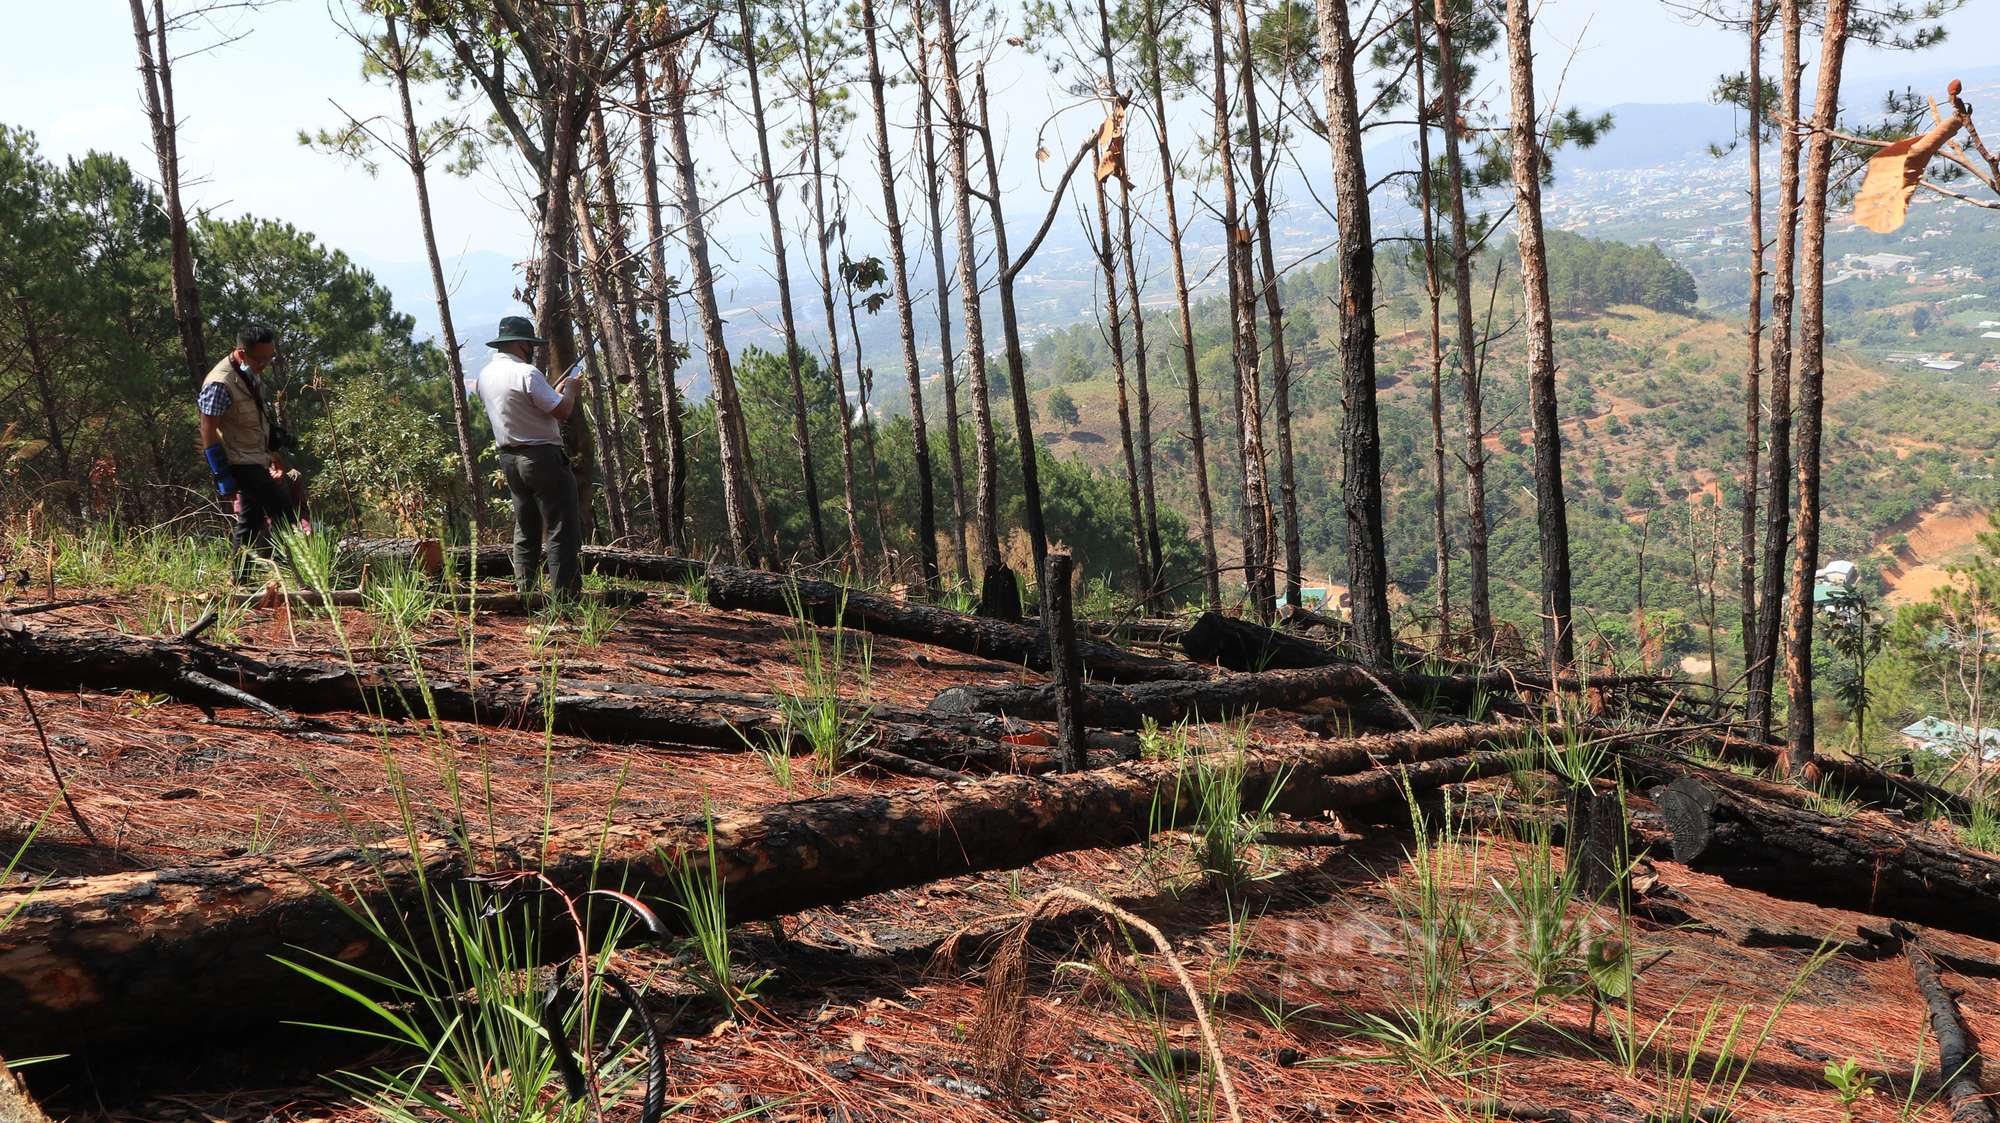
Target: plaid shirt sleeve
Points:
(214, 400)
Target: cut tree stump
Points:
(1797, 854)
(823, 603)
(1127, 707)
(187, 950)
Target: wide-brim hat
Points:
(517, 329)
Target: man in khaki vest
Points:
(236, 438)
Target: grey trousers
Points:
(545, 506)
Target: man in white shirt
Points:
(527, 416)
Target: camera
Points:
(282, 439)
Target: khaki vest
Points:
(245, 429)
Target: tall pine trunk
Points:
(959, 141)
(1197, 442)
(1255, 499)
(156, 66)
(920, 442)
(737, 500)
(675, 452)
(1114, 328)
(1763, 670)
(1812, 387)
(947, 362)
(767, 184)
(1281, 371)
(1361, 438)
(1479, 604)
(1551, 511)
(468, 459)
(1433, 289)
(627, 325)
(608, 468)
(1754, 331)
(1005, 267)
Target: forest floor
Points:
(862, 1018)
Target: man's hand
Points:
(278, 463)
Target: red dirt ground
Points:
(860, 1021)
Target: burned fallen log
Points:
(824, 603)
(187, 951)
(1127, 707)
(1244, 645)
(1958, 1054)
(207, 675)
(1797, 854)
(498, 561)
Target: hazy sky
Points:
(70, 78)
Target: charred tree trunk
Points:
(1754, 331)
(781, 270)
(619, 272)
(959, 134)
(1797, 854)
(1763, 670)
(1281, 370)
(1255, 497)
(468, 458)
(1434, 290)
(1812, 386)
(927, 141)
(1551, 511)
(823, 603)
(1006, 266)
(1065, 665)
(671, 512)
(736, 498)
(156, 67)
(1958, 1051)
(608, 468)
(1480, 598)
(195, 956)
(920, 441)
(1361, 438)
(1197, 443)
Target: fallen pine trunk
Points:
(1958, 1054)
(1855, 779)
(1243, 645)
(1127, 707)
(186, 951)
(1797, 854)
(498, 561)
(824, 603)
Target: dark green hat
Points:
(517, 329)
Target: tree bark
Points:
(1010, 327)
(1197, 443)
(1115, 329)
(609, 470)
(102, 961)
(920, 441)
(1361, 439)
(1551, 510)
(781, 268)
(1281, 371)
(1957, 1049)
(627, 322)
(468, 458)
(737, 502)
(671, 512)
(959, 139)
(1754, 331)
(1065, 664)
(1218, 699)
(1796, 854)
(158, 71)
(1760, 681)
(1812, 387)
(1434, 290)
(948, 364)
(824, 602)
(1253, 499)
(1480, 598)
